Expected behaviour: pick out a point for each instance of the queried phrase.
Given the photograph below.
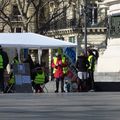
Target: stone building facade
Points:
(71, 25)
(107, 76)
(12, 20)
(109, 61)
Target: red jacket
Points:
(57, 68)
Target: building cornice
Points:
(76, 31)
(111, 2)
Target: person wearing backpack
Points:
(10, 88)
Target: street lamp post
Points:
(85, 26)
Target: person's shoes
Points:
(92, 90)
(62, 91)
(1, 92)
(56, 91)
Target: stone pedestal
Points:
(107, 81)
(110, 60)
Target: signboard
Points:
(72, 71)
(71, 54)
(22, 77)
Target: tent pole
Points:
(39, 55)
(18, 51)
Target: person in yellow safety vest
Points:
(4, 60)
(57, 65)
(11, 84)
(64, 62)
(39, 80)
(91, 69)
(1, 61)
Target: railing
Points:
(63, 24)
(16, 18)
(110, 1)
(74, 23)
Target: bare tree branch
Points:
(56, 14)
(3, 16)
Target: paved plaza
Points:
(60, 106)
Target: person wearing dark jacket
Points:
(31, 64)
(4, 60)
(82, 65)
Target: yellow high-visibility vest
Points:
(1, 61)
(54, 61)
(90, 59)
(40, 78)
(65, 69)
(12, 80)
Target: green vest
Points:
(1, 61)
(11, 81)
(40, 78)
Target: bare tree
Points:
(5, 16)
(23, 6)
(38, 7)
(56, 15)
(28, 14)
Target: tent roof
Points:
(31, 40)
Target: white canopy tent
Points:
(31, 40)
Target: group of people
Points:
(37, 73)
(85, 66)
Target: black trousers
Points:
(62, 84)
(37, 87)
(91, 80)
(2, 80)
